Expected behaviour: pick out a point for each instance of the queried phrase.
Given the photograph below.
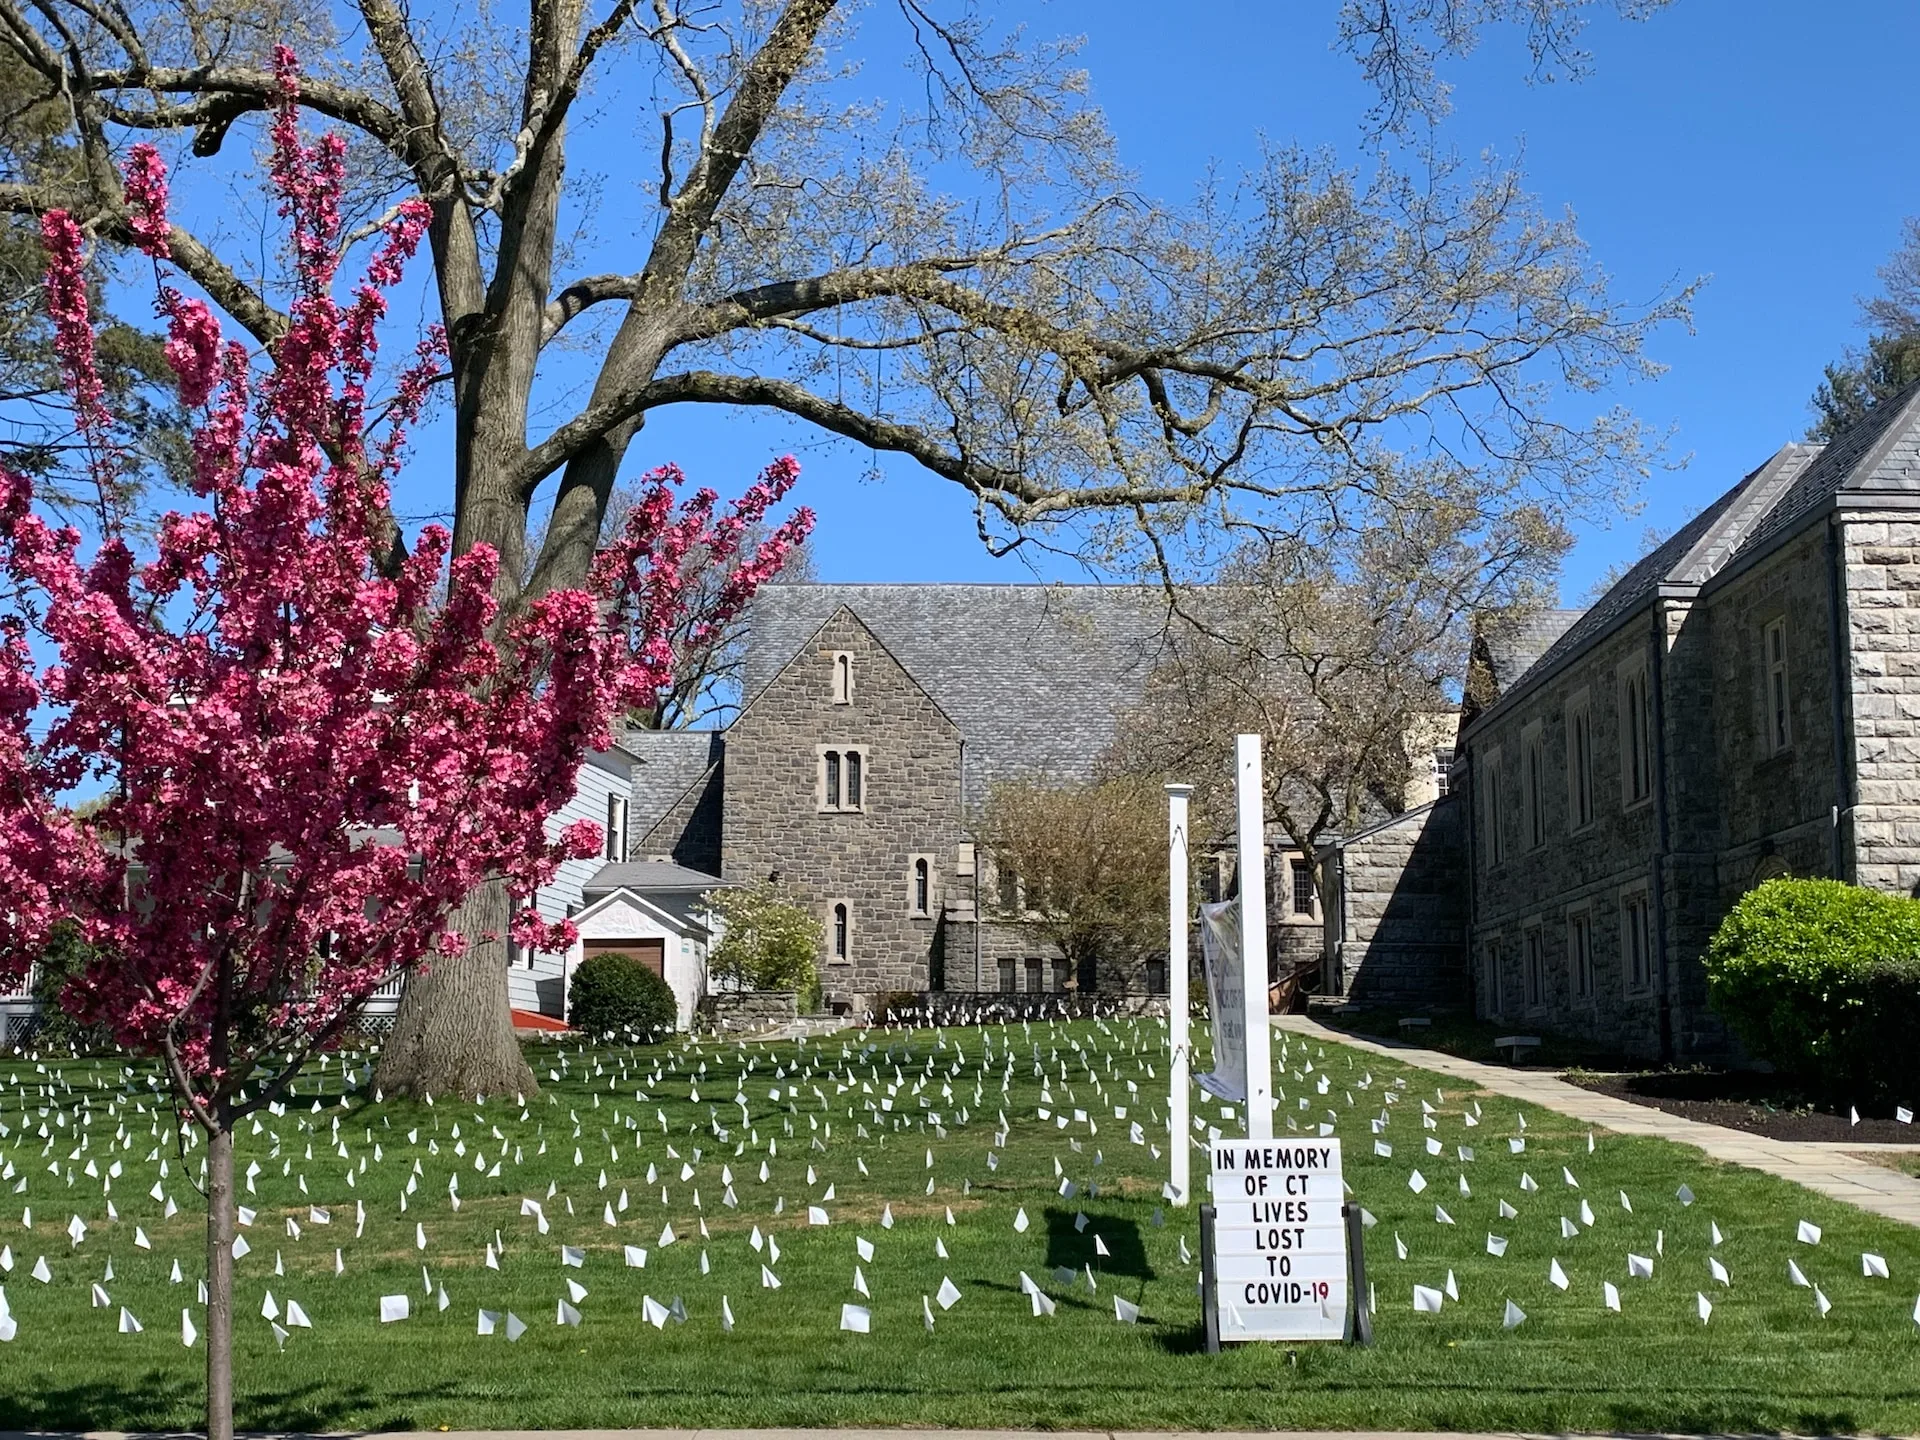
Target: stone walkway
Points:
(1836, 1170)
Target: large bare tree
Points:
(966, 276)
(1347, 660)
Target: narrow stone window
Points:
(830, 792)
(1636, 749)
(1496, 832)
(840, 932)
(616, 837)
(1533, 780)
(1636, 941)
(1008, 975)
(1579, 764)
(922, 885)
(856, 788)
(1535, 965)
(1302, 888)
(1580, 952)
(1007, 886)
(842, 678)
(1779, 715)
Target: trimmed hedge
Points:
(617, 995)
(1822, 979)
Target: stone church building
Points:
(874, 719)
(1743, 703)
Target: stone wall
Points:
(750, 1009)
(689, 833)
(1882, 560)
(1396, 931)
(775, 822)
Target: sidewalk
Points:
(1835, 1170)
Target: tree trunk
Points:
(220, 1281)
(453, 1034)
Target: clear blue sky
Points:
(1764, 144)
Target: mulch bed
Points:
(1746, 1102)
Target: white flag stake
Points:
(1250, 800)
(1179, 1072)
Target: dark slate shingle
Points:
(1035, 676)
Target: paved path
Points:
(1837, 1170)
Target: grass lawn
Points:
(1765, 1361)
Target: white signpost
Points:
(1280, 1263)
(1282, 1251)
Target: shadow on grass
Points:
(1072, 1249)
(136, 1402)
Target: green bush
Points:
(64, 960)
(1822, 979)
(617, 995)
(769, 940)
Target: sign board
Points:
(1280, 1240)
(1226, 993)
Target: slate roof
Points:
(1510, 646)
(648, 877)
(1882, 453)
(1035, 676)
(668, 763)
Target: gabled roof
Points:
(665, 909)
(668, 763)
(1686, 560)
(648, 877)
(1880, 454)
(1034, 676)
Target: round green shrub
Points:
(1822, 979)
(617, 994)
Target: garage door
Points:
(652, 953)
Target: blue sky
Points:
(1761, 144)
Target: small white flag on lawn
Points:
(1514, 1316)
(240, 1247)
(1795, 1274)
(1872, 1265)
(636, 1257)
(948, 1294)
(1556, 1276)
(1685, 1196)
(815, 1216)
(1496, 1244)
(864, 1248)
(574, 1255)
(1821, 1302)
(1020, 1221)
(1903, 1114)
(654, 1312)
(1639, 1267)
(1713, 1233)
(566, 1314)
(1610, 1295)
(128, 1325)
(488, 1319)
(1718, 1271)
(1808, 1233)
(394, 1307)
(516, 1327)
(140, 1240)
(269, 1307)
(1507, 1212)
(298, 1317)
(1528, 1183)
(1440, 1216)
(1704, 1307)
(187, 1332)
(856, 1318)
(1125, 1311)
(1416, 1182)
(726, 1316)
(1427, 1300)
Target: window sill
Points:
(1645, 802)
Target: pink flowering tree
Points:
(311, 756)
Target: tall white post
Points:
(1250, 799)
(1179, 1143)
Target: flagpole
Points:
(1179, 1143)
(1250, 799)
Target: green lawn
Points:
(1766, 1360)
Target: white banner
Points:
(1226, 993)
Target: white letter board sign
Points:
(1280, 1240)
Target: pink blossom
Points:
(145, 181)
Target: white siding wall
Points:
(541, 985)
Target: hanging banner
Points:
(1226, 994)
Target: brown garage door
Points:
(653, 953)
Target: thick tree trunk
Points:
(220, 1281)
(453, 1034)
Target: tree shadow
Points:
(1071, 1249)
